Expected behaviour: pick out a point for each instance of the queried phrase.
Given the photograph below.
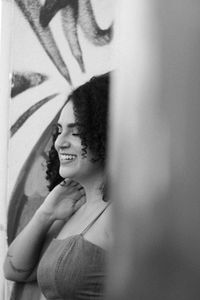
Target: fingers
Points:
(74, 188)
(70, 182)
(66, 182)
(74, 183)
(80, 202)
(77, 194)
(82, 192)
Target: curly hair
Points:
(90, 105)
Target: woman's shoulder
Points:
(108, 221)
(105, 226)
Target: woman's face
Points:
(69, 148)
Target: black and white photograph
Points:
(100, 150)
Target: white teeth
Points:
(67, 156)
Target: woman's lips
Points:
(67, 158)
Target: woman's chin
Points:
(65, 174)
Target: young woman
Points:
(64, 245)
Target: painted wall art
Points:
(56, 45)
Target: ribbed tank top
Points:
(73, 268)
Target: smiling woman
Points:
(64, 245)
(83, 120)
(68, 145)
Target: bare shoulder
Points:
(108, 224)
(108, 212)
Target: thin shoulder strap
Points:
(94, 220)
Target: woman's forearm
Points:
(23, 253)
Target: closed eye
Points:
(75, 134)
(58, 129)
(72, 129)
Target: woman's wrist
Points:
(44, 216)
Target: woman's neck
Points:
(92, 188)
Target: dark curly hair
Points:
(90, 105)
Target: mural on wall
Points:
(57, 45)
(73, 13)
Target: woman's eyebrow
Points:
(70, 125)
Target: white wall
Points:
(5, 19)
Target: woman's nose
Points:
(62, 142)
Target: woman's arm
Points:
(24, 252)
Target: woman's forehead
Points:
(67, 114)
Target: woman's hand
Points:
(64, 200)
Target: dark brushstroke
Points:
(31, 10)
(93, 32)
(22, 119)
(69, 12)
(69, 23)
(23, 81)
(50, 9)
(18, 198)
(76, 12)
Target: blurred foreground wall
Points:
(155, 146)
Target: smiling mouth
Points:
(64, 157)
